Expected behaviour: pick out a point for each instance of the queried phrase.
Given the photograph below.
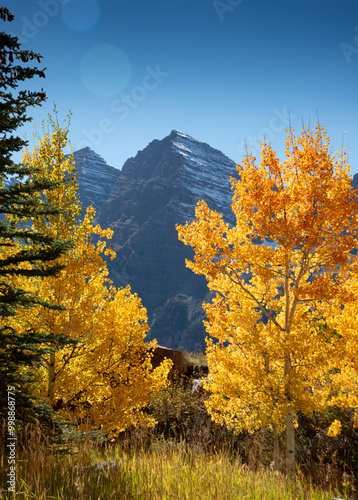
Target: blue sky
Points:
(223, 71)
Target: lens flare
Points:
(105, 70)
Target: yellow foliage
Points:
(285, 286)
(108, 378)
(105, 375)
(334, 429)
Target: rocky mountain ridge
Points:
(155, 190)
(95, 177)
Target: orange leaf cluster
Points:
(284, 282)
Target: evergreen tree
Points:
(24, 251)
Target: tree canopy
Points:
(103, 375)
(284, 279)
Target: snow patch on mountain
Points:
(205, 174)
(95, 177)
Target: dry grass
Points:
(197, 359)
(157, 469)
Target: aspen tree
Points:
(104, 376)
(281, 324)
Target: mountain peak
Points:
(180, 136)
(95, 177)
(89, 154)
(177, 133)
(154, 191)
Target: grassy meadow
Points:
(164, 470)
(186, 456)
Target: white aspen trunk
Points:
(290, 443)
(290, 430)
(51, 378)
(276, 446)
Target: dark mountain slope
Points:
(155, 190)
